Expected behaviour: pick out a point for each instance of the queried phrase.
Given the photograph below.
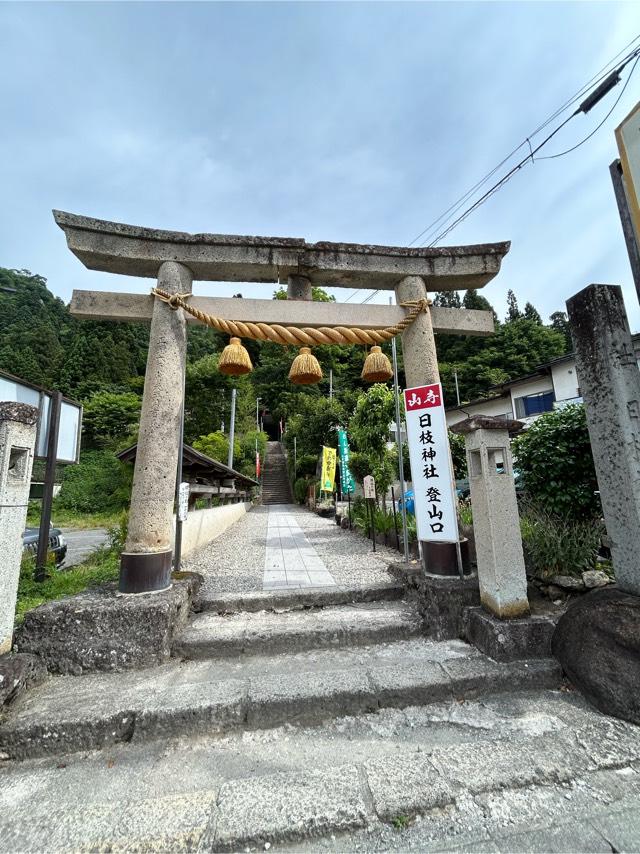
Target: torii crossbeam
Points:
(175, 259)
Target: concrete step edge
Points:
(288, 807)
(208, 636)
(306, 698)
(260, 600)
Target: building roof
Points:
(198, 467)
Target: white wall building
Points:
(551, 386)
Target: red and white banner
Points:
(431, 469)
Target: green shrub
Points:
(306, 464)
(554, 457)
(559, 546)
(383, 522)
(300, 488)
(99, 483)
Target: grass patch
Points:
(100, 567)
(72, 519)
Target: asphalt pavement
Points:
(80, 543)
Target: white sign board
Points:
(369, 486)
(183, 502)
(628, 139)
(430, 458)
(68, 451)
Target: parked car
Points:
(57, 543)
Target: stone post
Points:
(17, 439)
(299, 288)
(418, 342)
(146, 561)
(496, 524)
(609, 380)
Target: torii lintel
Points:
(135, 251)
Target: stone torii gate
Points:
(175, 259)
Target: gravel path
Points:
(234, 562)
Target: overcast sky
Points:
(355, 122)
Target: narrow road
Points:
(80, 543)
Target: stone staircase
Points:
(248, 671)
(276, 488)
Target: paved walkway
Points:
(290, 559)
(304, 549)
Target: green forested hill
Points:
(103, 364)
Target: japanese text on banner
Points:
(430, 458)
(328, 469)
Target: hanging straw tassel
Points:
(305, 369)
(377, 367)
(235, 359)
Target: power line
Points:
(606, 86)
(601, 83)
(594, 81)
(595, 130)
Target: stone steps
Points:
(259, 692)
(296, 599)
(477, 774)
(210, 635)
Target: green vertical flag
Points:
(347, 483)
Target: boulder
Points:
(597, 642)
(595, 578)
(568, 582)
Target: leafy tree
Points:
(473, 300)
(450, 299)
(369, 427)
(315, 424)
(513, 312)
(216, 446)
(560, 322)
(317, 295)
(531, 313)
(554, 456)
(458, 454)
(110, 419)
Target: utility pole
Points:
(55, 405)
(330, 383)
(633, 251)
(455, 376)
(396, 394)
(232, 428)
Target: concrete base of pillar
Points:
(98, 630)
(441, 599)
(509, 640)
(145, 573)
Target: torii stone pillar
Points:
(146, 559)
(299, 288)
(418, 342)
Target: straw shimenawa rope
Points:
(305, 336)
